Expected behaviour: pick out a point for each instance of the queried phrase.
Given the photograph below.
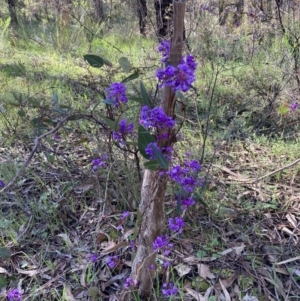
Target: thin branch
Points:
(36, 145)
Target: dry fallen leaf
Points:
(3, 271)
(204, 271)
(68, 294)
(195, 294)
(112, 247)
(182, 269)
(226, 294)
(226, 282)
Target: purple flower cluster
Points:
(164, 48)
(122, 219)
(294, 106)
(156, 118)
(93, 257)
(99, 162)
(205, 7)
(117, 93)
(176, 224)
(169, 289)
(186, 176)
(112, 261)
(167, 151)
(130, 283)
(14, 295)
(125, 129)
(2, 184)
(162, 243)
(187, 202)
(180, 78)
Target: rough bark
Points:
(142, 12)
(154, 184)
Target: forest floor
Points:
(241, 240)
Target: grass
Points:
(60, 211)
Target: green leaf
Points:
(34, 102)
(132, 76)
(21, 113)
(201, 253)
(108, 102)
(125, 64)
(107, 63)
(146, 99)
(5, 252)
(36, 122)
(152, 164)
(283, 109)
(162, 161)
(50, 158)
(114, 125)
(144, 138)
(55, 99)
(180, 96)
(3, 282)
(94, 60)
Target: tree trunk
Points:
(12, 11)
(239, 12)
(163, 12)
(98, 7)
(154, 184)
(142, 12)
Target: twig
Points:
(251, 181)
(36, 145)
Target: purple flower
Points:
(164, 48)
(186, 176)
(130, 283)
(156, 118)
(180, 78)
(194, 165)
(124, 215)
(169, 289)
(294, 106)
(187, 202)
(93, 257)
(152, 267)
(112, 261)
(166, 264)
(166, 151)
(176, 224)
(162, 243)
(124, 129)
(2, 184)
(56, 136)
(118, 137)
(97, 163)
(116, 92)
(14, 295)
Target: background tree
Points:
(98, 8)
(12, 10)
(142, 13)
(163, 13)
